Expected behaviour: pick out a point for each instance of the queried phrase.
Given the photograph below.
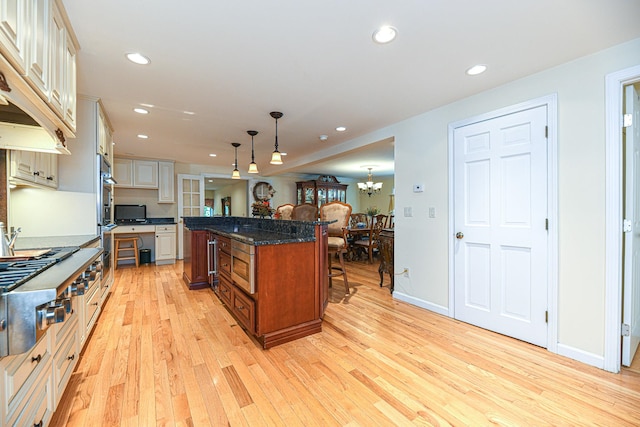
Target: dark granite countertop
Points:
(256, 231)
(150, 221)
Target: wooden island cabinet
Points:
(288, 271)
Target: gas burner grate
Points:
(19, 272)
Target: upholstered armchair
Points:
(284, 211)
(305, 212)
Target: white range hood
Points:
(29, 138)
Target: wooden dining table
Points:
(352, 234)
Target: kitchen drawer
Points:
(21, 372)
(225, 264)
(35, 405)
(64, 361)
(224, 291)
(123, 229)
(224, 244)
(92, 305)
(244, 309)
(165, 228)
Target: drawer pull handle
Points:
(73, 356)
(36, 359)
(40, 424)
(225, 265)
(240, 307)
(224, 291)
(95, 303)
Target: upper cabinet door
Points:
(123, 172)
(145, 174)
(69, 100)
(39, 54)
(13, 28)
(58, 42)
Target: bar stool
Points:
(133, 241)
(337, 215)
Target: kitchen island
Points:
(270, 274)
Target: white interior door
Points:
(500, 212)
(190, 203)
(631, 285)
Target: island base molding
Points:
(282, 336)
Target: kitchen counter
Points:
(150, 221)
(82, 241)
(256, 231)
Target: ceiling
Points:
(219, 67)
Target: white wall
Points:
(421, 157)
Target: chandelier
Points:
(370, 187)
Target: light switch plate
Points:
(408, 211)
(432, 212)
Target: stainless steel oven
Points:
(242, 268)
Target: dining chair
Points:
(284, 211)
(359, 218)
(305, 212)
(338, 215)
(377, 224)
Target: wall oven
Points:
(242, 269)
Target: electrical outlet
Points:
(405, 272)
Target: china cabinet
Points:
(323, 190)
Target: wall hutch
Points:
(322, 190)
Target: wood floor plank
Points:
(163, 355)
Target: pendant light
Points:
(236, 172)
(276, 157)
(253, 168)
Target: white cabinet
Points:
(13, 32)
(105, 137)
(34, 168)
(165, 244)
(28, 392)
(145, 174)
(122, 171)
(166, 182)
(38, 44)
(133, 173)
(58, 41)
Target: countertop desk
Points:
(160, 238)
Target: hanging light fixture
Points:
(253, 168)
(236, 172)
(276, 157)
(370, 187)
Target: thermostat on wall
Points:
(418, 188)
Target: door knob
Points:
(459, 235)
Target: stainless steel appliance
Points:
(105, 181)
(36, 293)
(242, 270)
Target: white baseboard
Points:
(422, 304)
(581, 356)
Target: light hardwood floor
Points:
(164, 355)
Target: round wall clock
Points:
(263, 191)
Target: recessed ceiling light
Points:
(141, 111)
(476, 69)
(138, 58)
(384, 34)
(212, 155)
(189, 113)
(341, 128)
(141, 136)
